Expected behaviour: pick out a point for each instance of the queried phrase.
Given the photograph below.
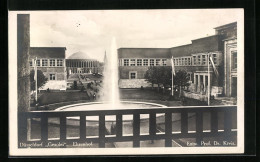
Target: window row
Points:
(143, 62)
(202, 59)
(182, 61)
(194, 60)
(47, 62)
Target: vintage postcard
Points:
(126, 82)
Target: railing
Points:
(136, 137)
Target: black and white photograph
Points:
(126, 82)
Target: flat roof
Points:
(47, 52)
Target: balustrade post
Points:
(199, 127)
(82, 127)
(22, 128)
(184, 122)
(136, 130)
(63, 128)
(44, 128)
(168, 129)
(214, 122)
(102, 130)
(119, 125)
(152, 124)
(227, 124)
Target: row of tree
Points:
(162, 75)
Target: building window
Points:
(59, 62)
(186, 61)
(151, 62)
(176, 62)
(139, 62)
(38, 62)
(189, 63)
(158, 62)
(132, 62)
(190, 76)
(164, 62)
(194, 60)
(126, 62)
(145, 62)
(234, 60)
(52, 76)
(203, 59)
(180, 63)
(199, 60)
(132, 75)
(31, 64)
(44, 62)
(183, 62)
(52, 62)
(214, 57)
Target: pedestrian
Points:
(94, 96)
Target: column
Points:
(195, 83)
(198, 89)
(204, 82)
(23, 71)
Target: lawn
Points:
(57, 97)
(62, 98)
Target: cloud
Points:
(92, 31)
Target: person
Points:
(94, 96)
(183, 101)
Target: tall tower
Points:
(105, 58)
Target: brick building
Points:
(134, 62)
(51, 61)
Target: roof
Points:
(144, 53)
(226, 26)
(47, 52)
(179, 51)
(79, 56)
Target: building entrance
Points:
(234, 87)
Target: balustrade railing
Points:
(136, 137)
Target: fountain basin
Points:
(108, 106)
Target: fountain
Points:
(109, 94)
(109, 100)
(110, 89)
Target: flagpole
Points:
(172, 76)
(35, 71)
(208, 81)
(172, 82)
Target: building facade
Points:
(80, 63)
(134, 62)
(193, 58)
(228, 34)
(51, 61)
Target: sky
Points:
(92, 31)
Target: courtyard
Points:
(54, 100)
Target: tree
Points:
(150, 75)
(75, 85)
(181, 79)
(158, 75)
(41, 79)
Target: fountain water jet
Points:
(110, 89)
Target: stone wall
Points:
(196, 96)
(124, 71)
(133, 83)
(55, 85)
